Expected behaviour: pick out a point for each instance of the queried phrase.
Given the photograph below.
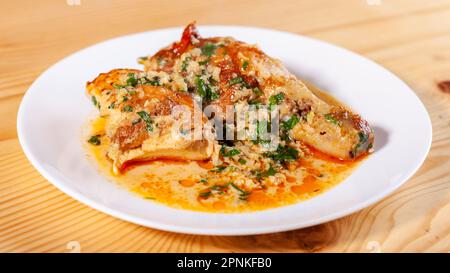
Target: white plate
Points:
(55, 107)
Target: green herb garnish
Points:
(363, 137)
(238, 80)
(242, 161)
(257, 91)
(276, 99)
(209, 49)
(262, 133)
(204, 62)
(205, 194)
(282, 154)
(218, 169)
(290, 123)
(95, 140)
(127, 108)
(95, 102)
(332, 119)
(202, 88)
(132, 81)
(269, 172)
(219, 188)
(229, 153)
(154, 81)
(146, 118)
(118, 86)
(245, 65)
(142, 59)
(213, 96)
(243, 195)
(136, 121)
(185, 64)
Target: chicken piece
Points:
(140, 122)
(224, 71)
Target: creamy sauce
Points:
(187, 185)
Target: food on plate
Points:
(301, 143)
(137, 109)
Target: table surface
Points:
(409, 37)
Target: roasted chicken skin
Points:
(137, 105)
(140, 124)
(224, 72)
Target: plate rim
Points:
(222, 231)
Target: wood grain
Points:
(409, 37)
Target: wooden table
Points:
(409, 37)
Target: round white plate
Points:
(55, 108)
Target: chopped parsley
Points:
(146, 118)
(204, 89)
(332, 119)
(282, 154)
(236, 80)
(363, 137)
(243, 195)
(205, 194)
(154, 81)
(185, 64)
(245, 65)
(290, 123)
(276, 99)
(220, 189)
(271, 171)
(218, 169)
(361, 146)
(112, 105)
(229, 153)
(95, 102)
(257, 91)
(242, 161)
(136, 121)
(142, 59)
(203, 62)
(132, 81)
(118, 86)
(161, 61)
(127, 108)
(257, 103)
(262, 135)
(209, 49)
(95, 140)
(262, 174)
